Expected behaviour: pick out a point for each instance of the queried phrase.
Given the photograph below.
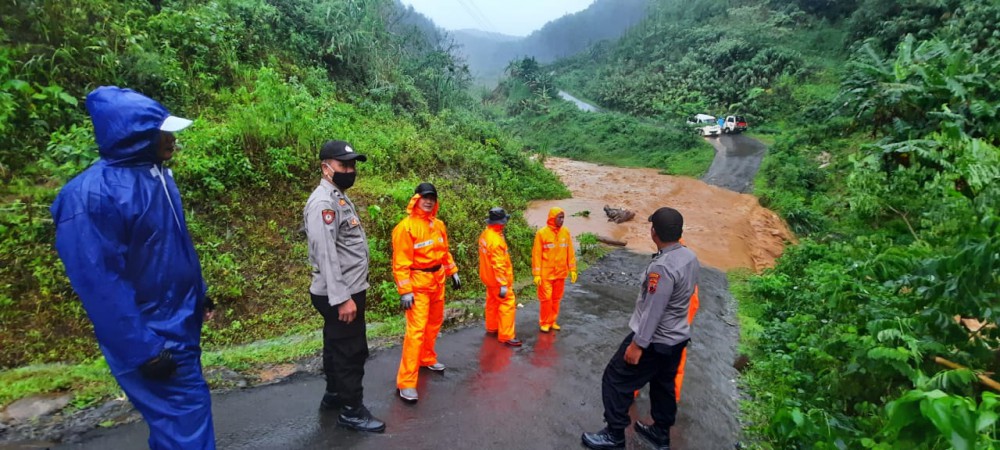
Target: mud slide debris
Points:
(618, 215)
(726, 229)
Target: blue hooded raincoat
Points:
(121, 233)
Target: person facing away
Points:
(651, 353)
(552, 259)
(692, 311)
(497, 273)
(122, 236)
(338, 254)
(421, 261)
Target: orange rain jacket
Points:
(420, 241)
(495, 268)
(552, 256)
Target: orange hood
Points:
(551, 222)
(415, 211)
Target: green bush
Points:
(903, 238)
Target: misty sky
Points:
(513, 17)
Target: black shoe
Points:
(360, 419)
(604, 439)
(658, 436)
(330, 402)
(513, 342)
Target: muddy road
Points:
(540, 396)
(726, 229)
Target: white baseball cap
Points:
(173, 124)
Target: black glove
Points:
(456, 282)
(161, 367)
(209, 304)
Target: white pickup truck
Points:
(705, 124)
(734, 124)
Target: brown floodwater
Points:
(726, 229)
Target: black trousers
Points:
(658, 367)
(345, 349)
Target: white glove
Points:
(406, 301)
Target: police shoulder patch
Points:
(652, 281)
(328, 216)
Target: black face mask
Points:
(344, 180)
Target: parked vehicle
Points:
(705, 124)
(734, 124)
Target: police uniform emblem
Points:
(328, 216)
(654, 279)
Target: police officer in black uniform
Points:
(338, 252)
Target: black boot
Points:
(658, 436)
(360, 419)
(330, 402)
(604, 439)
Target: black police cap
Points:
(425, 189)
(339, 150)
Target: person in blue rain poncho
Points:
(121, 233)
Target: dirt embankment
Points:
(726, 229)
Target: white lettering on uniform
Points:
(549, 246)
(423, 244)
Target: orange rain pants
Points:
(496, 270)
(421, 262)
(552, 259)
(679, 379)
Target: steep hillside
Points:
(526, 103)
(267, 82)
(482, 50)
(489, 53)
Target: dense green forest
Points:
(883, 117)
(267, 82)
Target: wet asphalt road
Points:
(737, 159)
(540, 396)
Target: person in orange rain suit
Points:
(497, 273)
(552, 258)
(420, 262)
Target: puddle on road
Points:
(726, 229)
